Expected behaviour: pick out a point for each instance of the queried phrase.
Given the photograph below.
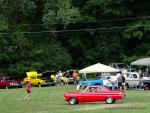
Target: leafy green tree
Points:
(33, 33)
(27, 9)
(18, 11)
(52, 56)
(59, 12)
(3, 40)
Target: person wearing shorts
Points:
(28, 88)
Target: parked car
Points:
(109, 81)
(94, 93)
(105, 80)
(122, 67)
(144, 84)
(36, 79)
(47, 76)
(10, 81)
(85, 83)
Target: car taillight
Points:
(123, 95)
(11, 83)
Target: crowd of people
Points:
(67, 77)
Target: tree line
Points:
(70, 34)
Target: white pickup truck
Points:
(132, 79)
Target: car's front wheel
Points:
(110, 100)
(73, 101)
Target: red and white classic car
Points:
(94, 93)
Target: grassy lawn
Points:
(50, 100)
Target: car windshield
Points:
(100, 77)
(45, 78)
(123, 66)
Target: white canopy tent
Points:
(97, 68)
(142, 62)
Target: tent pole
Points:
(147, 71)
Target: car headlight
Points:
(43, 82)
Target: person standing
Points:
(58, 77)
(119, 78)
(76, 77)
(123, 81)
(113, 83)
(28, 89)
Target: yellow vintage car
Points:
(38, 79)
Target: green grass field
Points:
(51, 100)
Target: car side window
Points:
(115, 66)
(112, 65)
(107, 78)
(128, 75)
(93, 89)
(98, 89)
(135, 76)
